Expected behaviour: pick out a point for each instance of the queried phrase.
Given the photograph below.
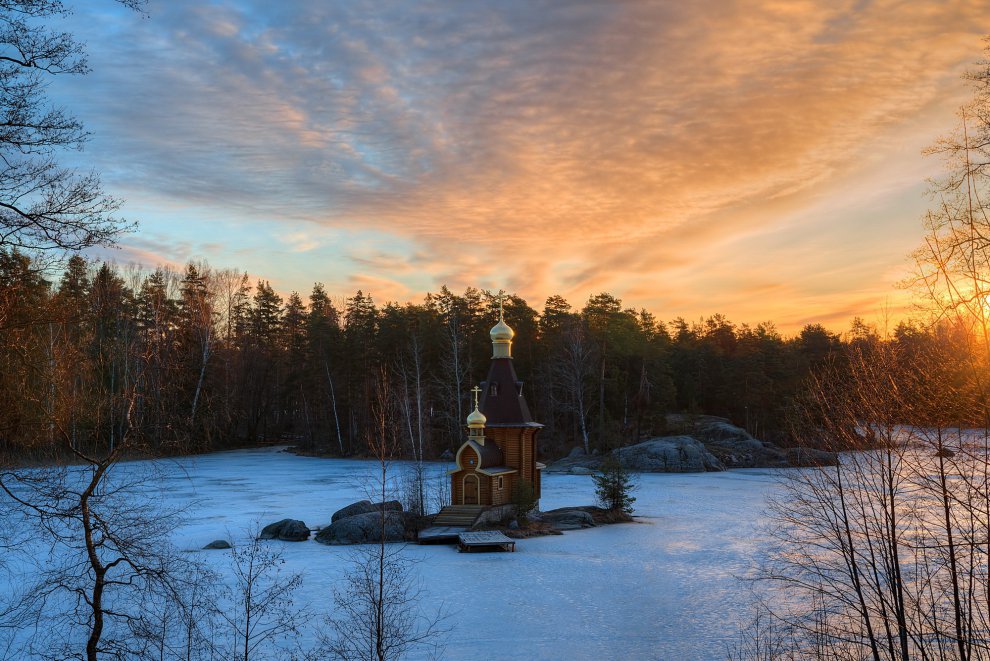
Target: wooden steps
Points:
(462, 516)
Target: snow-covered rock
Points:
(365, 528)
(217, 544)
(668, 454)
(287, 530)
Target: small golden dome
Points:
(476, 418)
(501, 332)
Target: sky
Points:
(759, 159)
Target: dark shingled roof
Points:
(506, 406)
(491, 455)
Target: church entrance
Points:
(470, 490)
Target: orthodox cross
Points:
(476, 390)
(501, 296)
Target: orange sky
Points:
(758, 159)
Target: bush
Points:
(613, 486)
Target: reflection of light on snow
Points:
(668, 588)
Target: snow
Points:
(668, 587)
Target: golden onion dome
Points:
(501, 332)
(476, 418)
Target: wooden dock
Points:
(484, 540)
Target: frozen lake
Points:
(665, 588)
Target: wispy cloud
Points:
(546, 147)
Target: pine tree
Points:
(613, 486)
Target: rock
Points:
(576, 452)
(389, 506)
(495, 516)
(365, 528)
(575, 464)
(365, 506)
(945, 453)
(734, 447)
(447, 455)
(514, 525)
(360, 507)
(568, 518)
(218, 544)
(287, 530)
(582, 470)
(668, 454)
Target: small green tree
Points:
(613, 486)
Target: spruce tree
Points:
(613, 486)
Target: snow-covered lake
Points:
(666, 588)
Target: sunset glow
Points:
(758, 159)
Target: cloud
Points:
(545, 147)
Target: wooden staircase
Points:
(458, 516)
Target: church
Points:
(500, 450)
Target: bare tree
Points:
(44, 206)
(377, 615)
(99, 547)
(574, 370)
(264, 610)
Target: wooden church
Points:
(500, 450)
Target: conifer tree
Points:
(613, 486)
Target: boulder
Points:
(366, 528)
(446, 455)
(668, 454)
(389, 506)
(218, 544)
(736, 448)
(495, 516)
(360, 507)
(365, 506)
(568, 518)
(577, 465)
(287, 530)
(578, 451)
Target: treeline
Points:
(207, 359)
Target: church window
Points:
(493, 390)
(500, 482)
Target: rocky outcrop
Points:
(703, 443)
(361, 523)
(668, 454)
(366, 528)
(568, 518)
(364, 507)
(217, 544)
(576, 465)
(287, 530)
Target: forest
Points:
(206, 359)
